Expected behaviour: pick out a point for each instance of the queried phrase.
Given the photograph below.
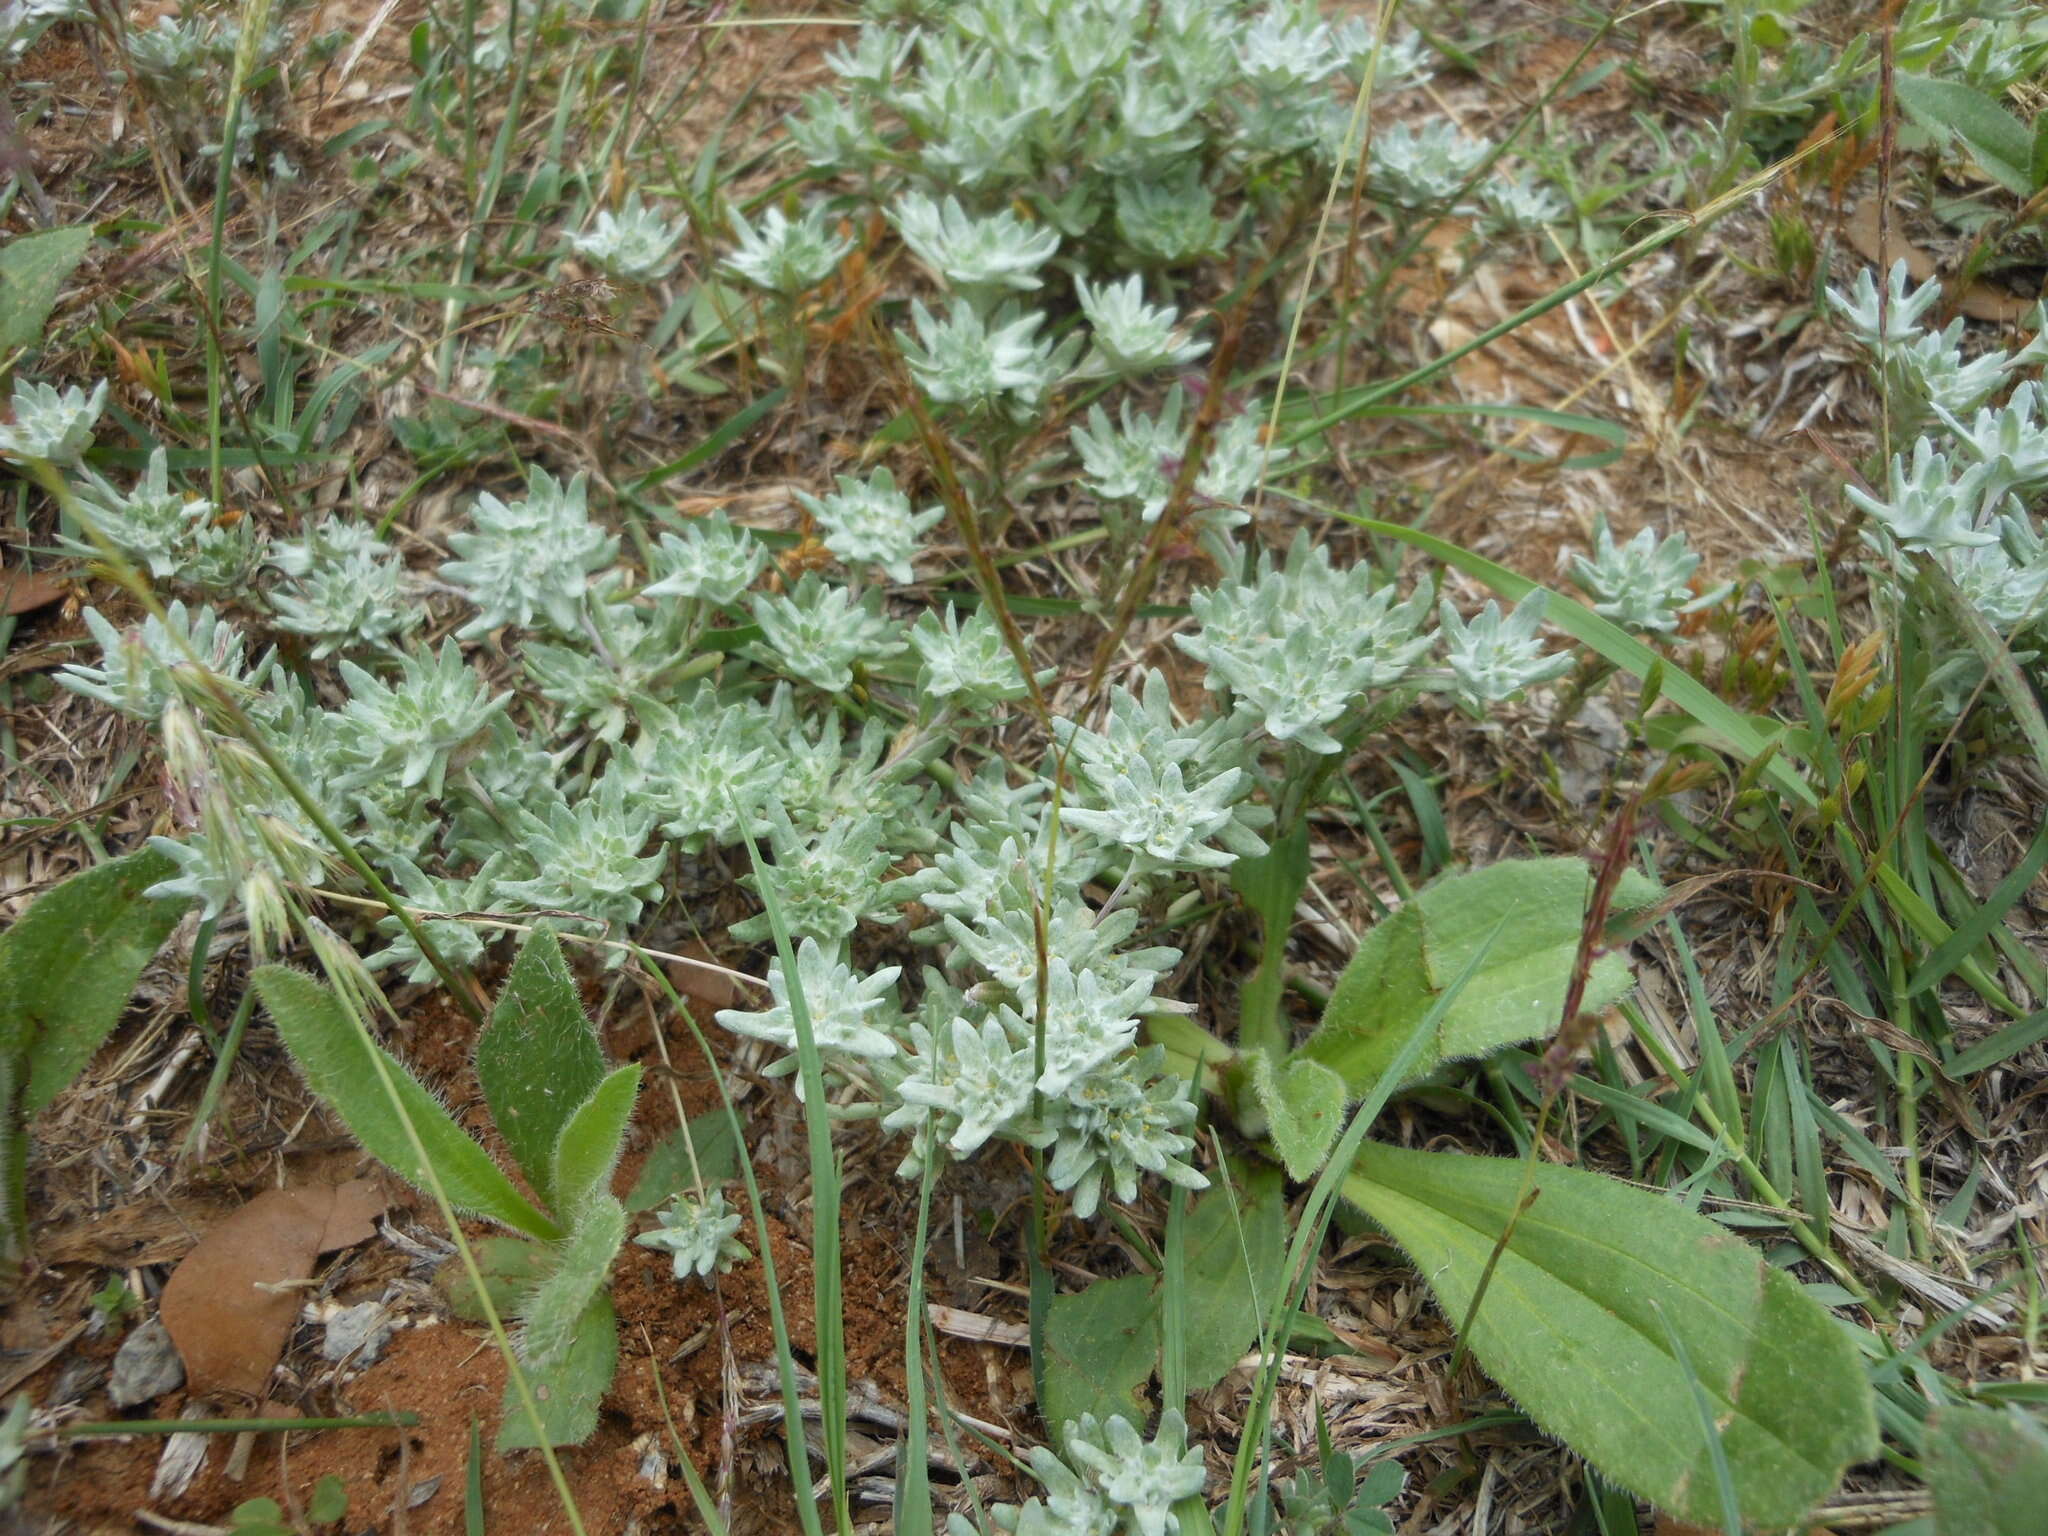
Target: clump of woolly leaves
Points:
(563, 1116)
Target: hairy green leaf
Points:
(549, 1314)
(1998, 140)
(539, 1059)
(340, 1062)
(67, 968)
(71, 961)
(329, 1502)
(32, 271)
(1304, 1108)
(510, 1266)
(1569, 1325)
(588, 1148)
(1236, 1244)
(1517, 994)
(568, 1394)
(1988, 1468)
(1101, 1344)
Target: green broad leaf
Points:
(1997, 140)
(1988, 1468)
(2037, 157)
(67, 968)
(1101, 1344)
(1518, 991)
(329, 1502)
(70, 963)
(510, 1266)
(33, 270)
(568, 1394)
(1571, 1327)
(668, 1170)
(539, 1059)
(549, 1313)
(1387, 980)
(1236, 1244)
(588, 1148)
(1304, 1108)
(340, 1064)
(258, 1517)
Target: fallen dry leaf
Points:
(706, 990)
(1980, 301)
(26, 591)
(231, 1304)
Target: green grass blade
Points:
(473, 1483)
(1976, 928)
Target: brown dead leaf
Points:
(26, 591)
(231, 1304)
(705, 989)
(1980, 301)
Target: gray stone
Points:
(146, 1366)
(357, 1334)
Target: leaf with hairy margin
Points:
(539, 1060)
(70, 962)
(340, 1064)
(588, 1149)
(1517, 994)
(1569, 1326)
(1304, 1106)
(568, 1394)
(549, 1312)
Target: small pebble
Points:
(146, 1366)
(357, 1334)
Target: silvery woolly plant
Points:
(528, 563)
(1958, 519)
(1124, 1482)
(156, 526)
(635, 242)
(51, 426)
(343, 588)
